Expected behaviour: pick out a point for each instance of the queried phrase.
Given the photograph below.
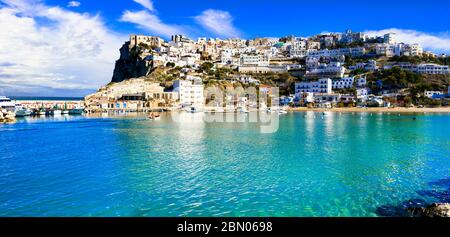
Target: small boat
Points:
(192, 109)
(270, 110)
(282, 111)
(65, 111)
(77, 110)
(42, 110)
(22, 111)
(243, 110)
(56, 111)
(154, 116)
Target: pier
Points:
(49, 104)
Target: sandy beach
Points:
(378, 109)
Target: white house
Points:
(254, 60)
(323, 85)
(430, 68)
(342, 83)
(362, 93)
(432, 94)
(189, 92)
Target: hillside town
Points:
(329, 70)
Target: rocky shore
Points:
(433, 210)
(7, 117)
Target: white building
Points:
(362, 93)
(189, 92)
(430, 68)
(323, 85)
(432, 94)
(361, 82)
(254, 60)
(370, 65)
(342, 83)
(333, 69)
(390, 38)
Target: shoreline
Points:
(375, 110)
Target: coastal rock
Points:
(433, 210)
(130, 64)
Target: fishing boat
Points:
(42, 111)
(56, 111)
(65, 111)
(77, 110)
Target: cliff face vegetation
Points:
(130, 64)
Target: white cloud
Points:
(218, 22)
(438, 43)
(73, 4)
(69, 52)
(146, 3)
(151, 23)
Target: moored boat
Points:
(77, 110)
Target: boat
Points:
(77, 110)
(6, 104)
(42, 110)
(65, 111)
(153, 116)
(270, 110)
(282, 111)
(192, 109)
(243, 110)
(56, 111)
(21, 111)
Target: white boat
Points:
(42, 112)
(56, 112)
(270, 110)
(243, 110)
(65, 112)
(6, 104)
(282, 111)
(22, 112)
(192, 109)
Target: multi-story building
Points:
(333, 69)
(343, 83)
(189, 92)
(431, 68)
(254, 60)
(425, 68)
(323, 85)
(390, 38)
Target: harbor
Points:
(14, 108)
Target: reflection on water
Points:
(315, 164)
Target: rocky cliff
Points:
(131, 64)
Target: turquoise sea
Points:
(336, 164)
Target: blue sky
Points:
(70, 46)
(279, 18)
